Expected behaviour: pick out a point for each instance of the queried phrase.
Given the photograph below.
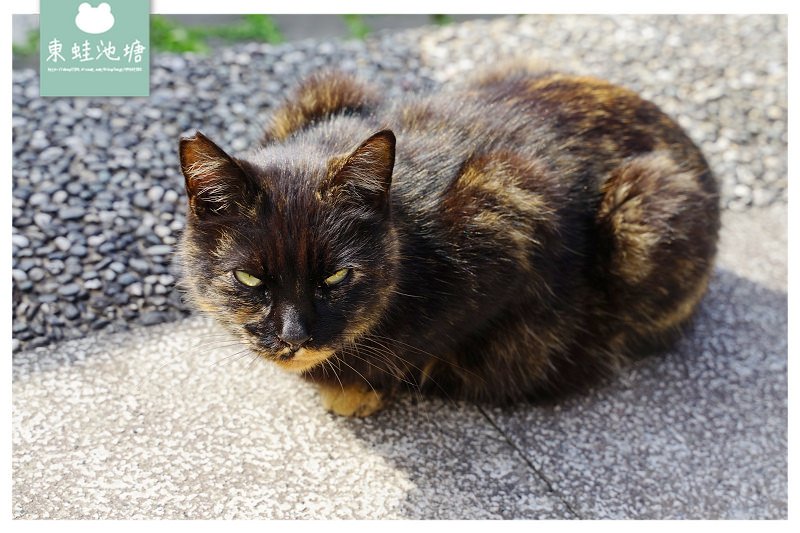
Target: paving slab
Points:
(175, 421)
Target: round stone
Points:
(60, 196)
(36, 274)
(171, 196)
(140, 265)
(20, 241)
(95, 240)
(71, 312)
(72, 212)
(127, 278)
(93, 284)
(70, 289)
(155, 194)
(62, 243)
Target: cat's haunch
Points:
(513, 237)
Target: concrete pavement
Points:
(174, 421)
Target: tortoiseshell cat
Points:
(510, 239)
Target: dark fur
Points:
(522, 235)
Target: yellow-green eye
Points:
(336, 278)
(247, 279)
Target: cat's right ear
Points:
(215, 182)
(365, 175)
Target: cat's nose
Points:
(294, 330)
(294, 340)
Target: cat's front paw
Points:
(351, 400)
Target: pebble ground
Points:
(98, 202)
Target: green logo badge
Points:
(99, 48)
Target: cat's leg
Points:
(523, 356)
(351, 400)
(657, 232)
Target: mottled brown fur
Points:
(321, 95)
(512, 238)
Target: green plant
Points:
(357, 27)
(30, 47)
(441, 20)
(253, 28)
(167, 35)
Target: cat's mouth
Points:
(302, 359)
(296, 360)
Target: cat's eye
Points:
(247, 279)
(336, 278)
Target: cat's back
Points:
(576, 123)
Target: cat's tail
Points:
(657, 231)
(321, 95)
(510, 69)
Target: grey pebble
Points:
(153, 317)
(135, 289)
(24, 285)
(162, 231)
(93, 284)
(71, 212)
(171, 196)
(160, 249)
(20, 241)
(107, 248)
(26, 264)
(62, 243)
(39, 140)
(70, 289)
(140, 265)
(96, 240)
(100, 323)
(73, 267)
(50, 154)
(94, 112)
(155, 194)
(71, 312)
(36, 274)
(38, 199)
(121, 298)
(43, 220)
(127, 278)
(140, 200)
(54, 266)
(60, 196)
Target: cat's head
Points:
(292, 249)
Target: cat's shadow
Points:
(474, 461)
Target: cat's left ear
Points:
(215, 182)
(365, 176)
